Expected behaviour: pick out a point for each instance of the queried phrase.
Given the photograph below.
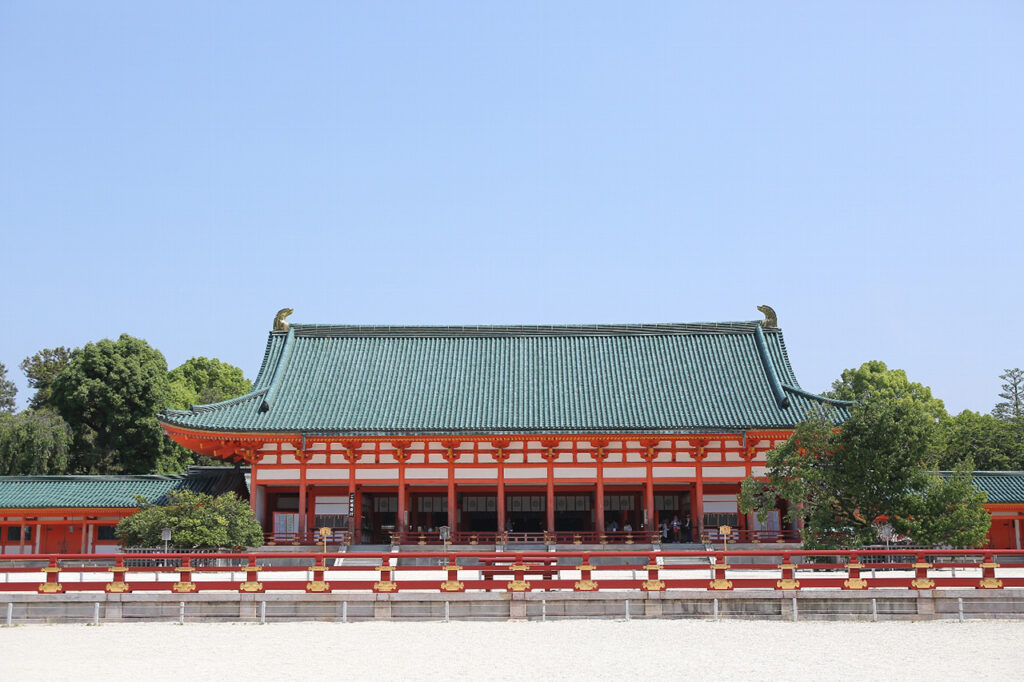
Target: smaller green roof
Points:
(91, 492)
(1002, 487)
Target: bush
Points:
(195, 520)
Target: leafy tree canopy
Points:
(41, 369)
(948, 511)
(200, 381)
(34, 442)
(7, 391)
(992, 444)
(195, 520)
(1012, 405)
(876, 465)
(110, 393)
(875, 378)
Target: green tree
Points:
(41, 369)
(950, 510)
(992, 444)
(7, 391)
(875, 378)
(843, 480)
(195, 520)
(109, 394)
(200, 381)
(1012, 394)
(34, 442)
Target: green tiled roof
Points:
(1002, 487)
(21, 492)
(325, 379)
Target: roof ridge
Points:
(817, 396)
(498, 331)
(96, 477)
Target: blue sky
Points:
(180, 171)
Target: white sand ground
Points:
(565, 650)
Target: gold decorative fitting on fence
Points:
(518, 586)
(720, 584)
(855, 584)
(585, 586)
(184, 587)
(585, 567)
(453, 586)
(385, 586)
(720, 567)
(576, 540)
(786, 567)
(118, 587)
(653, 585)
(922, 565)
(50, 588)
(250, 586)
(652, 567)
(50, 569)
(184, 569)
(988, 564)
(922, 584)
(318, 586)
(990, 584)
(854, 565)
(787, 584)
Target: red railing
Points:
(751, 536)
(620, 537)
(335, 537)
(510, 571)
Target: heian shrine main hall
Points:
(562, 433)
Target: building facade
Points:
(77, 514)
(561, 432)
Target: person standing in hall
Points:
(687, 529)
(676, 527)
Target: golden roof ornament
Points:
(770, 321)
(279, 324)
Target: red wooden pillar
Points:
(451, 456)
(549, 501)
(303, 518)
(400, 524)
(351, 491)
(599, 456)
(253, 495)
(699, 454)
(357, 516)
(698, 522)
(549, 498)
(354, 519)
(500, 456)
(650, 512)
(652, 517)
(453, 506)
(501, 497)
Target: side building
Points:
(560, 433)
(77, 514)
